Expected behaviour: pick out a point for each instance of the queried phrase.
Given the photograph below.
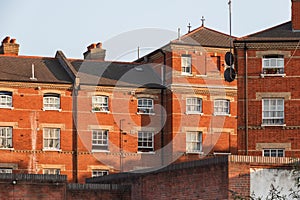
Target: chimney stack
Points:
(296, 15)
(95, 52)
(9, 46)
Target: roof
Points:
(116, 73)
(19, 68)
(280, 32)
(206, 37)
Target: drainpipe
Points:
(246, 96)
(162, 95)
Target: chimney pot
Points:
(6, 40)
(13, 41)
(99, 45)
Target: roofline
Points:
(204, 27)
(251, 35)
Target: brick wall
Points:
(54, 187)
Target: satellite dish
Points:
(229, 74)
(229, 58)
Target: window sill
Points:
(272, 75)
(48, 109)
(140, 113)
(222, 114)
(280, 125)
(100, 111)
(195, 152)
(194, 113)
(52, 150)
(100, 151)
(9, 148)
(147, 152)
(186, 74)
(10, 108)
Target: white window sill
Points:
(200, 75)
(100, 111)
(195, 152)
(100, 151)
(140, 113)
(263, 125)
(194, 113)
(4, 107)
(9, 148)
(49, 109)
(46, 149)
(186, 74)
(272, 75)
(148, 152)
(222, 114)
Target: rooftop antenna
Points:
(138, 52)
(203, 20)
(189, 27)
(32, 73)
(229, 73)
(229, 4)
(178, 31)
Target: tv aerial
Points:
(229, 73)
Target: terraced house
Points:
(268, 79)
(90, 117)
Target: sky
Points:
(42, 27)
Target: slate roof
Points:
(19, 68)
(206, 37)
(116, 73)
(280, 32)
(50, 70)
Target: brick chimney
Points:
(9, 46)
(95, 52)
(296, 15)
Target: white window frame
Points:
(99, 172)
(273, 113)
(193, 105)
(273, 152)
(100, 139)
(221, 107)
(145, 141)
(273, 65)
(51, 171)
(100, 103)
(194, 142)
(145, 106)
(5, 99)
(51, 101)
(51, 139)
(6, 170)
(186, 64)
(6, 134)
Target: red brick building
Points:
(201, 106)
(54, 122)
(90, 117)
(268, 79)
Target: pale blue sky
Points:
(42, 27)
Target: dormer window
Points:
(51, 101)
(5, 99)
(186, 65)
(273, 64)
